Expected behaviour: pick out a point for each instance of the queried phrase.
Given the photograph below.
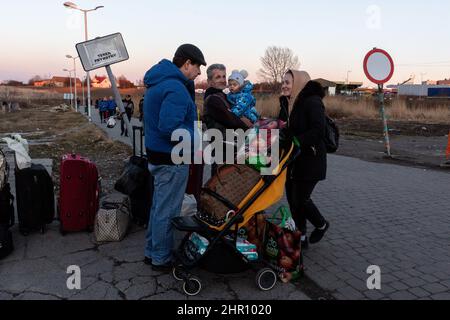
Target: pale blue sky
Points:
(330, 37)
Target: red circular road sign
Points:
(378, 66)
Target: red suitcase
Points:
(79, 194)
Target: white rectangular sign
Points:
(102, 52)
(68, 96)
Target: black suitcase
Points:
(136, 181)
(35, 199)
(6, 221)
(6, 206)
(6, 242)
(141, 200)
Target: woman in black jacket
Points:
(307, 124)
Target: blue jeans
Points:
(169, 188)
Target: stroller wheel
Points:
(178, 273)
(266, 279)
(192, 286)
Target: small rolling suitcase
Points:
(79, 194)
(35, 199)
(142, 198)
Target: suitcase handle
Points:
(141, 130)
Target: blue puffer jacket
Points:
(243, 103)
(103, 106)
(168, 106)
(112, 105)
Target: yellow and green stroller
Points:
(213, 247)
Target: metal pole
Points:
(75, 71)
(88, 75)
(119, 101)
(71, 97)
(82, 88)
(383, 116)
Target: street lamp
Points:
(72, 5)
(70, 81)
(75, 76)
(348, 72)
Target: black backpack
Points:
(331, 135)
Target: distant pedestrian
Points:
(112, 105)
(129, 110)
(141, 113)
(103, 109)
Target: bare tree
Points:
(276, 61)
(34, 79)
(124, 83)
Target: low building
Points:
(338, 87)
(329, 86)
(102, 82)
(42, 83)
(58, 82)
(430, 91)
(444, 82)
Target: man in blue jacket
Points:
(168, 106)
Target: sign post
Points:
(103, 52)
(379, 68)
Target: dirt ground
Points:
(54, 134)
(413, 144)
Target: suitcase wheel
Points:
(61, 230)
(24, 233)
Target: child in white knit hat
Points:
(240, 97)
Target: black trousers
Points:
(302, 207)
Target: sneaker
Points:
(318, 234)
(148, 261)
(167, 267)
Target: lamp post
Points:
(72, 5)
(82, 88)
(347, 82)
(70, 81)
(75, 76)
(348, 73)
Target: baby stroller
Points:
(220, 254)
